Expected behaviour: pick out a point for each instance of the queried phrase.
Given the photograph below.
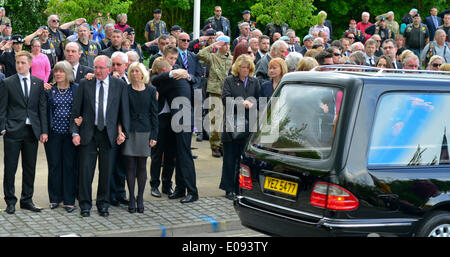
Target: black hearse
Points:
(349, 153)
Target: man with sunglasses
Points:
(57, 32)
(188, 61)
(135, 46)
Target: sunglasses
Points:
(185, 40)
(435, 65)
(55, 20)
(336, 54)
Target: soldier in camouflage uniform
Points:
(218, 22)
(219, 64)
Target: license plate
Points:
(280, 185)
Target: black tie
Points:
(26, 88)
(100, 117)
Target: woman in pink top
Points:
(122, 22)
(40, 67)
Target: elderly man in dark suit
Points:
(103, 104)
(23, 122)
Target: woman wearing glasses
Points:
(435, 63)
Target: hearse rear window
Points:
(410, 129)
(301, 121)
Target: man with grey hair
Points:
(245, 35)
(119, 66)
(292, 60)
(90, 48)
(364, 24)
(358, 46)
(106, 42)
(278, 50)
(99, 131)
(132, 57)
(411, 62)
(436, 47)
(57, 32)
(358, 57)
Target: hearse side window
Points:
(301, 122)
(410, 129)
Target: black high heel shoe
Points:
(140, 204)
(131, 210)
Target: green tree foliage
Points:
(297, 13)
(69, 10)
(25, 15)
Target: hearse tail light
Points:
(245, 178)
(333, 197)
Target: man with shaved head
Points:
(188, 60)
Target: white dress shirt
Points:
(27, 121)
(105, 97)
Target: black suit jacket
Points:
(8, 60)
(82, 71)
(14, 109)
(170, 89)
(194, 68)
(117, 109)
(430, 24)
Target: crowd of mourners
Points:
(83, 91)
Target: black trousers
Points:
(185, 177)
(230, 167)
(28, 146)
(165, 146)
(101, 147)
(119, 171)
(62, 171)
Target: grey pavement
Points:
(161, 217)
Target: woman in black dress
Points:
(143, 132)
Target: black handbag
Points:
(240, 129)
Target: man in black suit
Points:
(390, 49)
(174, 85)
(103, 105)
(73, 54)
(188, 60)
(116, 44)
(433, 22)
(23, 122)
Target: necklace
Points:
(62, 91)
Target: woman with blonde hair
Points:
(276, 70)
(242, 88)
(435, 62)
(143, 132)
(307, 64)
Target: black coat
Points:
(233, 87)
(14, 109)
(117, 109)
(82, 71)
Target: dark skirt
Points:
(137, 144)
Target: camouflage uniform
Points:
(219, 66)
